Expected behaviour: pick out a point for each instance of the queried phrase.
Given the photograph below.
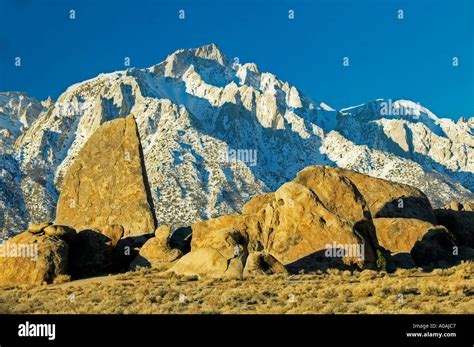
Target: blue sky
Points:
(389, 58)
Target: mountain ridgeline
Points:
(214, 133)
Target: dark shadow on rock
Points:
(139, 261)
(146, 182)
(127, 250)
(91, 254)
(365, 229)
(435, 250)
(319, 261)
(181, 239)
(402, 260)
(408, 207)
(459, 223)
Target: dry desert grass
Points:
(147, 291)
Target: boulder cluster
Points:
(326, 217)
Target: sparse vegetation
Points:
(148, 291)
(381, 261)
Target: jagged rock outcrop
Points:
(18, 111)
(106, 184)
(33, 259)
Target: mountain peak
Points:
(176, 64)
(211, 52)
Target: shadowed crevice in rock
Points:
(146, 182)
(435, 250)
(127, 250)
(318, 261)
(408, 207)
(181, 239)
(91, 255)
(365, 229)
(459, 223)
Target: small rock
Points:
(454, 205)
(63, 232)
(163, 230)
(157, 252)
(37, 228)
(259, 263)
(114, 233)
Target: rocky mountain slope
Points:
(18, 112)
(214, 133)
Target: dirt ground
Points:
(147, 291)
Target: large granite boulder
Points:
(400, 234)
(209, 262)
(219, 248)
(318, 218)
(390, 199)
(33, 259)
(323, 218)
(106, 185)
(305, 225)
(412, 242)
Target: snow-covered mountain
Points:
(17, 112)
(215, 132)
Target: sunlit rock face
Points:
(106, 184)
